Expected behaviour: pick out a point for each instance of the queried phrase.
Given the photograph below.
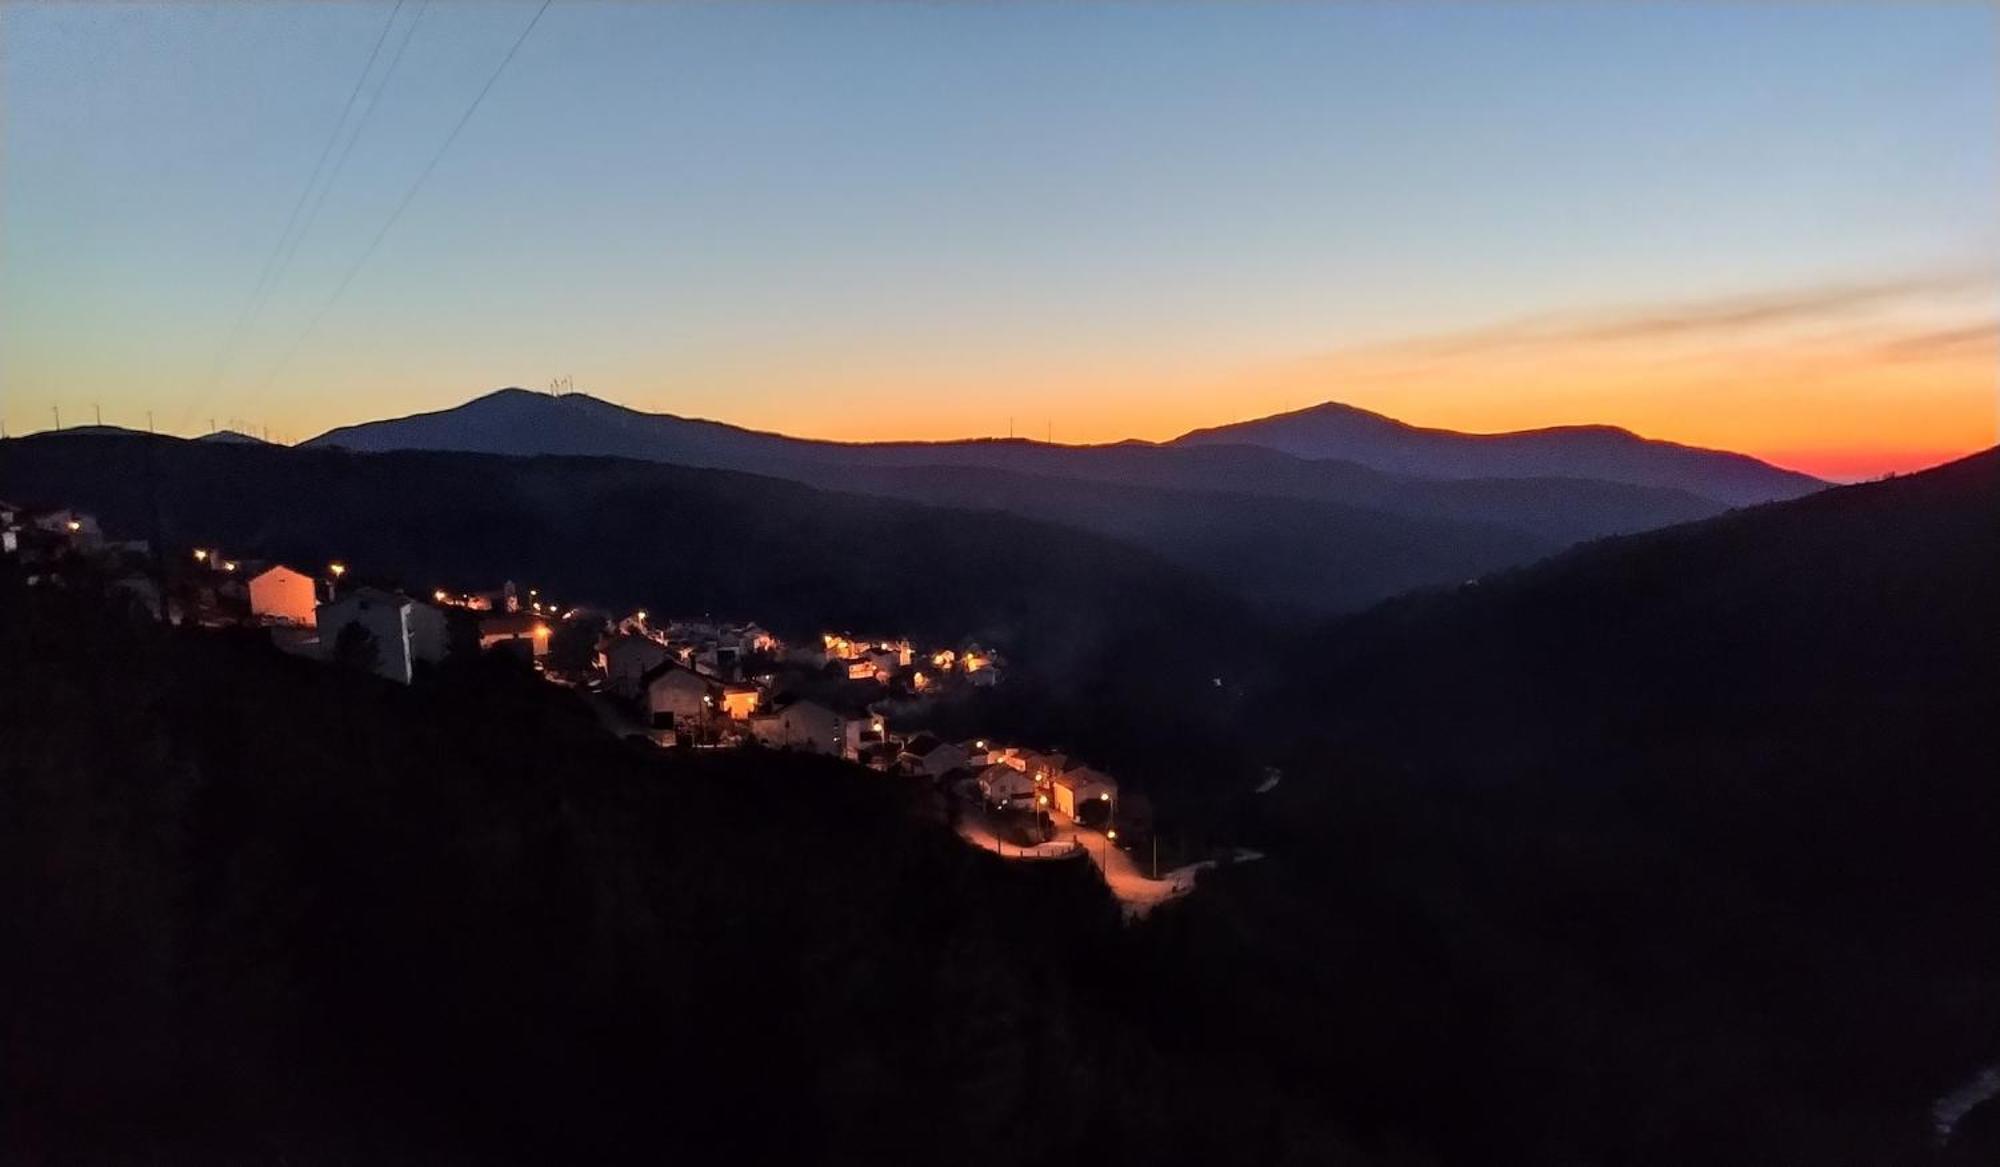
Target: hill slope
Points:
(1333, 430)
(1692, 830)
(255, 910)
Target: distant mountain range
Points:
(1316, 531)
(1601, 452)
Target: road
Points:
(1136, 892)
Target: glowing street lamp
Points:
(229, 565)
(74, 526)
(337, 568)
(201, 555)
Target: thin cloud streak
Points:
(1717, 319)
(1944, 343)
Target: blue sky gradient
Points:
(913, 220)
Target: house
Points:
(1001, 785)
(752, 638)
(1081, 792)
(140, 592)
(985, 676)
(942, 760)
(501, 599)
(523, 632)
(865, 669)
(405, 631)
(74, 524)
(919, 745)
(741, 701)
(628, 658)
(677, 697)
(813, 727)
(283, 595)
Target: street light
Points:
(200, 555)
(338, 569)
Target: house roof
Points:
(629, 642)
(1080, 777)
(921, 744)
(668, 667)
(502, 623)
(267, 569)
(1005, 777)
(368, 594)
(1053, 762)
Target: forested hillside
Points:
(1678, 848)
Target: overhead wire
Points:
(361, 125)
(265, 275)
(408, 195)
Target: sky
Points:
(1773, 229)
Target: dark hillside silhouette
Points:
(1678, 847)
(256, 910)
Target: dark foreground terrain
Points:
(1678, 848)
(255, 909)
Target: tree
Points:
(572, 646)
(356, 648)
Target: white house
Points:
(281, 594)
(942, 760)
(629, 658)
(404, 630)
(678, 697)
(1001, 784)
(808, 725)
(1079, 786)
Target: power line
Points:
(266, 275)
(360, 126)
(408, 195)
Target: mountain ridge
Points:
(1360, 534)
(1612, 453)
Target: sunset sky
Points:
(1772, 229)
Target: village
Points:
(692, 683)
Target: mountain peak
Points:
(1334, 430)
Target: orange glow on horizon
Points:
(1843, 380)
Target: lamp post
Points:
(337, 569)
